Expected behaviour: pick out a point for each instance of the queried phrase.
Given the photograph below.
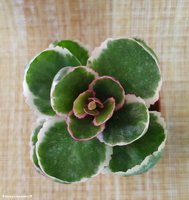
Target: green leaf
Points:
(83, 129)
(105, 87)
(132, 64)
(97, 101)
(76, 48)
(67, 85)
(140, 156)
(65, 160)
(39, 75)
(128, 124)
(106, 112)
(80, 103)
(91, 112)
(33, 141)
(145, 46)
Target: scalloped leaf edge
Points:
(97, 51)
(34, 126)
(84, 46)
(130, 98)
(58, 78)
(49, 123)
(145, 162)
(29, 96)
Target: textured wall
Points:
(27, 27)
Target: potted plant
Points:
(93, 109)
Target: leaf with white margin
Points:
(147, 48)
(65, 160)
(75, 47)
(39, 74)
(143, 154)
(68, 83)
(130, 62)
(33, 140)
(128, 124)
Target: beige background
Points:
(27, 27)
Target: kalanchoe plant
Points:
(93, 111)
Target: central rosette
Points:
(90, 108)
(87, 104)
(97, 104)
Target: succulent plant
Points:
(94, 110)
